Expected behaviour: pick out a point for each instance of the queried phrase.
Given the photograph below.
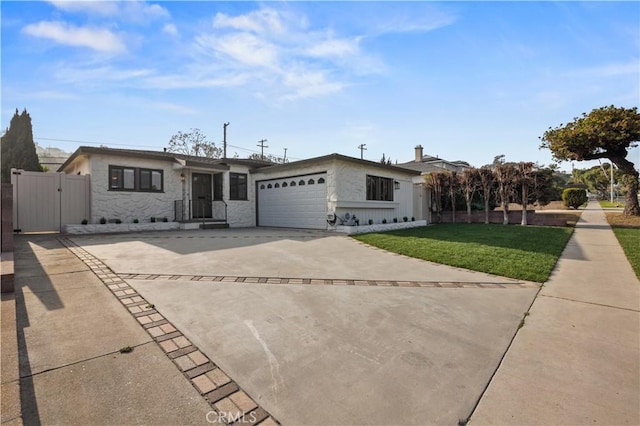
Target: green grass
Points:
(629, 239)
(608, 204)
(521, 252)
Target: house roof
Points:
(334, 156)
(186, 160)
(223, 163)
(430, 164)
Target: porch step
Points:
(214, 225)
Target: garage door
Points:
(293, 202)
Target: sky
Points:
(466, 80)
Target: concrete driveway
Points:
(409, 342)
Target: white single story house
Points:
(316, 193)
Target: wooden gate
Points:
(44, 202)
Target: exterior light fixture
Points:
(396, 184)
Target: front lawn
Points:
(521, 252)
(608, 204)
(627, 230)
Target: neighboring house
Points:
(51, 158)
(314, 193)
(425, 164)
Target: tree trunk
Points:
(453, 208)
(468, 212)
(631, 207)
(505, 214)
(525, 199)
(486, 210)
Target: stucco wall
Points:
(125, 205)
(351, 193)
(240, 213)
(346, 189)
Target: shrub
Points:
(370, 221)
(164, 219)
(574, 197)
(405, 219)
(118, 221)
(384, 221)
(413, 219)
(153, 219)
(135, 220)
(103, 220)
(395, 220)
(84, 221)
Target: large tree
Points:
(195, 143)
(606, 132)
(17, 147)
(436, 182)
(470, 183)
(507, 179)
(487, 179)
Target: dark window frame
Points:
(238, 190)
(379, 188)
(137, 179)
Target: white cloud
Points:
(243, 48)
(98, 39)
(170, 29)
(259, 21)
(93, 7)
(90, 74)
(129, 10)
(335, 48)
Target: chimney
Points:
(418, 153)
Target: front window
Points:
(379, 188)
(134, 179)
(237, 186)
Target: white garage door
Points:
(293, 202)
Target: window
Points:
(150, 180)
(293, 183)
(301, 182)
(269, 185)
(321, 181)
(134, 179)
(379, 188)
(284, 184)
(311, 182)
(277, 185)
(237, 186)
(262, 186)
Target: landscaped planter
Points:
(120, 227)
(380, 227)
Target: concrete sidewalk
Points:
(577, 358)
(70, 330)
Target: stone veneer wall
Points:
(125, 205)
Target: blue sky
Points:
(467, 80)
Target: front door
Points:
(201, 192)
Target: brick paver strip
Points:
(330, 281)
(223, 394)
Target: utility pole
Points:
(262, 147)
(224, 139)
(284, 160)
(362, 149)
(611, 182)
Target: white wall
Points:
(125, 205)
(347, 192)
(240, 213)
(351, 194)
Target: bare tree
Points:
(453, 185)
(194, 143)
(487, 179)
(470, 182)
(435, 181)
(506, 177)
(525, 178)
